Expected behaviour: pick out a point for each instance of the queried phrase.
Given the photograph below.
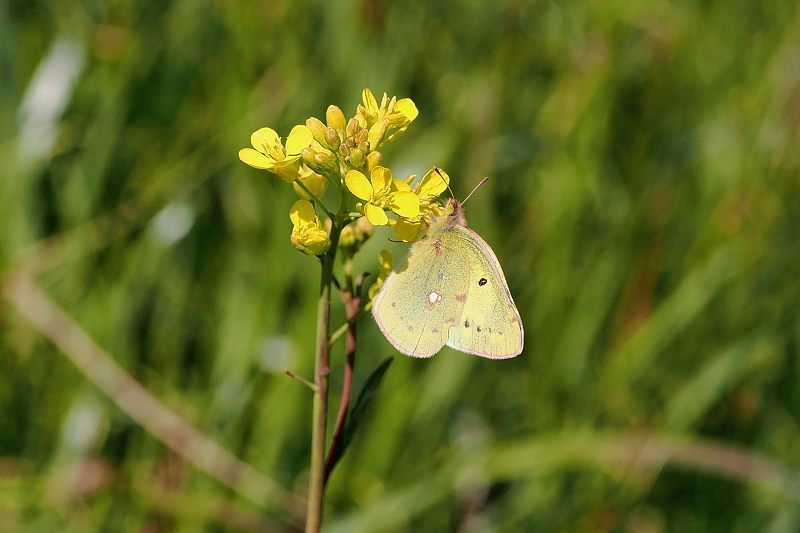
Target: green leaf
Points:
(359, 409)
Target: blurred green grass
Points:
(644, 202)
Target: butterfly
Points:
(450, 291)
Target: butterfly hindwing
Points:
(417, 305)
(489, 325)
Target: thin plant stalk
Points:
(352, 305)
(316, 485)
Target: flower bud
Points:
(352, 127)
(377, 131)
(317, 130)
(308, 157)
(351, 142)
(364, 147)
(344, 151)
(355, 234)
(361, 136)
(356, 158)
(335, 118)
(374, 159)
(326, 161)
(331, 137)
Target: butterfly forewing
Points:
(417, 304)
(489, 324)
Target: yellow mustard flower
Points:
(269, 153)
(314, 182)
(385, 262)
(308, 234)
(398, 114)
(379, 192)
(427, 190)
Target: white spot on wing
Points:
(434, 297)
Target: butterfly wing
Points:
(489, 325)
(416, 306)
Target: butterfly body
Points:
(450, 291)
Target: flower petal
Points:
(400, 185)
(358, 184)
(381, 178)
(300, 137)
(369, 102)
(302, 213)
(314, 182)
(287, 169)
(404, 203)
(311, 239)
(255, 159)
(408, 230)
(433, 183)
(264, 137)
(407, 108)
(375, 215)
(376, 132)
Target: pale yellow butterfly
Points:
(450, 291)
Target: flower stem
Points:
(302, 185)
(352, 304)
(344, 328)
(316, 485)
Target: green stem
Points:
(336, 335)
(316, 485)
(302, 185)
(341, 330)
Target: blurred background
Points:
(644, 203)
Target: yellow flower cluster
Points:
(345, 153)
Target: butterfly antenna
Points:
(446, 182)
(484, 180)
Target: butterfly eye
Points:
(482, 282)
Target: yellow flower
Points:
(308, 234)
(385, 261)
(397, 114)
(314, 182)
(268, 152)
(379, 193)
(432, 184)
